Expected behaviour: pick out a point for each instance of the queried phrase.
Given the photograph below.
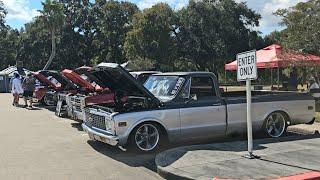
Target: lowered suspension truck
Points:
(173, 107)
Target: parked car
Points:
(86, 85)
(78, 102)
(184, 106)
(51, 83)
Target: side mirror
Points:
(193, 97)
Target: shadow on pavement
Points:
(137, 159)
(34, 109)
(147, 160)
(290, 165)
(239, 146)
(77, 125)
(129, 158)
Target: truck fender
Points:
(129, 131)
(275, 109)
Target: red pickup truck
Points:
(51, 83)
(87, 87)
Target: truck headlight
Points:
(110, 125)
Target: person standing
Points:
(28, 85)
(293, 81)
(16, 89)
(313, 84)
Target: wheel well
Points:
(283, 113)
(164, 132)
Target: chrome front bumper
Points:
(97, 136)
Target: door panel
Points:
(203, 119)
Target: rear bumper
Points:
(97, 136)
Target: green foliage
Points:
(212, 32)
(151, 36)
(52, 15)
(302, 23)
(113, 20)
(201, 36)
(3, 13)
(9, 43)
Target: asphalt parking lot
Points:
(37, 145)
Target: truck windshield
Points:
(164, 88)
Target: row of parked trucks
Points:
(143, 110)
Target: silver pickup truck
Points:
(182, 106)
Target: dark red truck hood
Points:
(43, 80)
(78, 80)
(64, 84)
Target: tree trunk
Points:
(53, 50)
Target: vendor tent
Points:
(273, 57)
(7, 74)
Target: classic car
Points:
(78, 102)
(184, 106)
(86, 85)
(51, 83)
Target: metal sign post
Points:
(247, 71)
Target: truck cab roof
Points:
(197, 73)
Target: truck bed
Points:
(265, 96)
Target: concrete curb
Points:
(165, 170)
(303, 129)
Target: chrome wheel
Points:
(147, 137)
(275, 124)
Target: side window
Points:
(185, 93)
(202, 87)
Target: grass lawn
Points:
(318, 117)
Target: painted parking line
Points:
(313, 175)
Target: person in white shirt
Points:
(16, 89)
(313, 84)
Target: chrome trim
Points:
(112, 140)
(107, 119)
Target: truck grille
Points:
(77, 108)
(61, 97)
(75, 99)
(76, 103)
(96, 121)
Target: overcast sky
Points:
(22, 11)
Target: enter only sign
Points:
(247, 66)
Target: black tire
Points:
(275, 125)
(136, 135)
(46, 99)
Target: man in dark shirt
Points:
(28, 85)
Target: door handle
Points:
(217, 104)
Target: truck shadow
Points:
(76, 125)
(129, 158)
(147, 160)
(237, 146)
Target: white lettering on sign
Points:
(247, 66)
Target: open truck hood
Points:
(43, 79)
(119, 80)
(65, 84)
(77, 79)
